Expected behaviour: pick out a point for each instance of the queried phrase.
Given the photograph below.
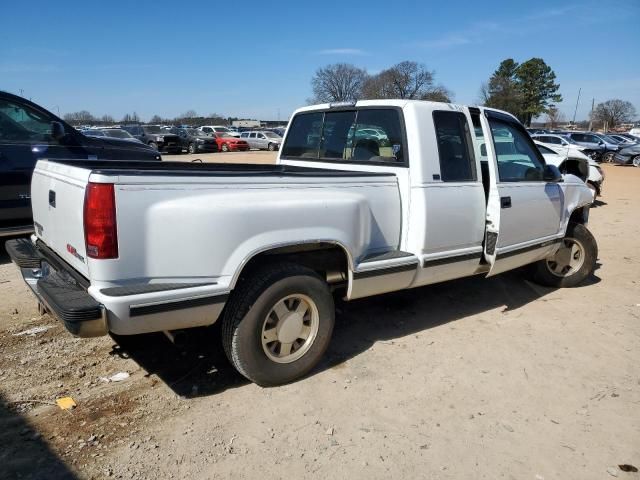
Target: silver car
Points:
(262, 140)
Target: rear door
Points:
(523, 211)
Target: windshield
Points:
(152, 129)
(94, 133)
(545, 150)
(272, 135)
(117, 134)
(610, 139)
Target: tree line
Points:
(527, 90)
(190, 117)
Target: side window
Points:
(457, 160)
(303, 138)
(20, 123)
(252, 135)
(244, 135)
(518, 160)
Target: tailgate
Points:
(57, 198)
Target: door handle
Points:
(505, 202)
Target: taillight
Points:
(100, 229)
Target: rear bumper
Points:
(55, 288)
(90, 310)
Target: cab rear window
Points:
(371, 135)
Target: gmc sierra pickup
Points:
(366, 198)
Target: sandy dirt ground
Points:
(475, 378)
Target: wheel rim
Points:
(608, 158)
(636, 161)
(192, 149)
(290, 328)
(568, 259)
(225, 148)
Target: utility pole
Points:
(576, 110)
(21, 92)
(593, 102)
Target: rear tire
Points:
(271, 147)
(572, 263)
(191, 148)
(635, 161)
(278, 323)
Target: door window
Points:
(21, 123)
(517, 156)
(457, 160)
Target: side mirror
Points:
(600, 142)
(57, 130)
(552, 174)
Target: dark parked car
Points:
(156, 137)
(628, 156)
(196, 141)
(29, 132)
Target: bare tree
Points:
(131, 118)
(107, 119)
(409, 80)
(554, 117)
(613, 112)
(338, 83)
(188, 114)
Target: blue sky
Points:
(256, 59)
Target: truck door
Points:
(523, 209)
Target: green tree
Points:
(536, 83)
(526, 90)
(503, 91)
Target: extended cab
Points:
(29, 132)
(437, 192)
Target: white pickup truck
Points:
(130, 247)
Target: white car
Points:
(559, 144)
(213, 129)
(129, 248)
(595, 179)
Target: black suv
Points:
(156, 137)
(29, 132)
(196, 141)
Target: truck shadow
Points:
(24, 454)
(202, 369)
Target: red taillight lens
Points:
(100, 229)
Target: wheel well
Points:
(579, 215)
(329, 260)
(575, 167)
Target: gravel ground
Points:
(475, 378)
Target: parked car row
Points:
(600, 147)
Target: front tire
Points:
(574, 261)
(271, 147)
(192, 148)
(608, 157)
(225, 147)
(278, 323)
(635, 161)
